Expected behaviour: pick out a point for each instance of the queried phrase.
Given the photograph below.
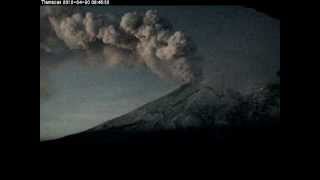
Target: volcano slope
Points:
(194, 113)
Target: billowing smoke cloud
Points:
(146, 39)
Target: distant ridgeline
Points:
(193, 113)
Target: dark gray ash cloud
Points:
(138, 38)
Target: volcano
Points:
(193, 113)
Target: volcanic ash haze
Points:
(91, 65)
(72, 40)
(147, 39)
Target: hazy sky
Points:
(241, 49)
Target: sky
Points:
(240, 49)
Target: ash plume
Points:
(137, 39)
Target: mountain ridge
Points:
(193, 107)
(168, 107)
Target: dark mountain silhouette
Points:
(194, 113)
